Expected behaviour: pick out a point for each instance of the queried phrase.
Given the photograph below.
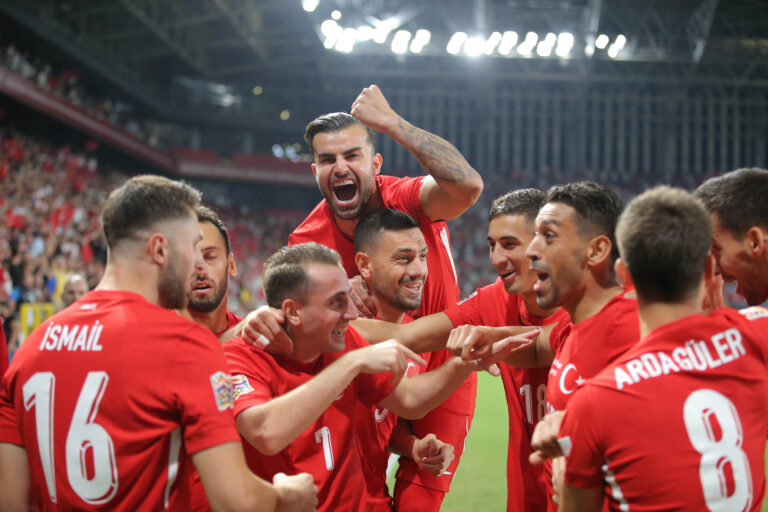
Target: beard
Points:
(172, 289)
(399, 302)
(209, 304)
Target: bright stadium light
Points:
(365, 33)
(420, 40)
(602, 41)
(455, 43)
(508, 41)
(474, 46)
(346, 42)
(613, 51)
(491, 43)
(564, 44)
(336, 14)
(400, 41)
(544, 49)
(526, 47)
(309, 5)
(330, 28)
(620, 41)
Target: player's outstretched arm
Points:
(14, 478)
(471, 342)
(455, 185)
(414, 397)
(425, 334)
(229, 485)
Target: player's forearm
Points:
(401, 439)
(416, 396)
(377, 331)
(14, 478)
(274, 425)
(425, 334)
(441, 160)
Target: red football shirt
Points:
(678, 422)
(108, 397)
(3, 350)
(327, 449)
(524, 389)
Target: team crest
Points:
(222, 390)
(754, 312)
(240, 386)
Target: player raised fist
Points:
(295, 493)
(373, 110)
(431, 454)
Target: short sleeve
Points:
(372, 388)
(201, 386)
(579, 439)
(9, 429)
(403, 194)
(466, 311)
(251, 376)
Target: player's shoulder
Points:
(354, 339)
(318, 218)
(753, 313)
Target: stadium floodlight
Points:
(613, 51)
(400, 41)
(491, 43)
(620, 41)
(365, 33)
(309, 5)
(336, 14)
(529, 43)
(257, 90)
(543, 49)
(589, 50)
(564, 44)
(330, 28)
(285, 115)
(508, 41)
(346, 42)
(456, 42)
(602, 41)
(420, 40)
(474, 46)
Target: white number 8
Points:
(704, 410)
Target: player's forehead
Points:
(515, 225)
(556, 214)
(325, 282)
(401, 239)
(339, 141)
(212, 238)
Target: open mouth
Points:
(202, 287)
(345, 190)
(507, 275)
(414, 287)
(339, 333)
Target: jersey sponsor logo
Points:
(379, 415)
(222, 390)
(240, 386)
(754, 312)
(465, 299)
(722, 348)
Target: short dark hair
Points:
(373, 224)
(143, 201)
(597, 208)
(524, 201)
(205, 214)
(739, 198)
(334, 122)
(285, 275)
(664, 237)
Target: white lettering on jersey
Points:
(722, 348)
(84, 338)
(379, 415)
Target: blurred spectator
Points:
(75, 287)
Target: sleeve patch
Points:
(222, 390)
(565, 445)
(240, 386)
(754, 312)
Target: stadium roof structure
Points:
(290, 52)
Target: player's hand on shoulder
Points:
(263, 328)
(373, 110)
(389, 356)
(544, 439)
(361, 297)
(432, 455)
(295, 493)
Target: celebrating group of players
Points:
(628, 385)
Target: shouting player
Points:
(104, 401)
(679, 421)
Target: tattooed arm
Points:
(453, 185)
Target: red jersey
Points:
(373, 428)
(524, 389)
(3, 350)
(678, 422)
(585, 348)
(232, 320)
(327, 449)
(108, 397)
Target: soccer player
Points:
(347, 169)
(679, 421)
(104, 400)
(573, 255)
(208, 298)
(391, 255)
(296, 411)
(737, 204)
(74, 288)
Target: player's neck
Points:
(591, 300)
(347, 226)
(304, 350)
(387, 312)
(131, 276)
(656, 314)
(215, 321)
(533, 308)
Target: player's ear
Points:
(231, 266)
(623, 273)
(292, 311)
(158, 247)
(314, 170)
(363, 262)
(377, 160)
(598, 250)
(756, 240)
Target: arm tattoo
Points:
(436, 155)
